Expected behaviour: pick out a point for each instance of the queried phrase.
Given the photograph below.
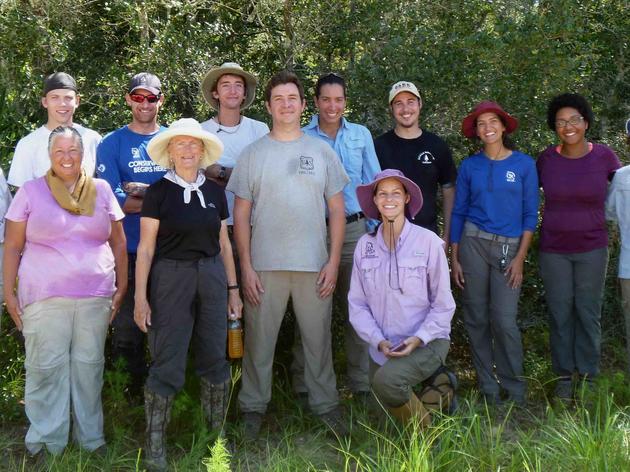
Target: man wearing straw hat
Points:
(229, 90)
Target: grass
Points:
(592, 435)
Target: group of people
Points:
(184, 220)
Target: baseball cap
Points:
(147, 81)
(59, 80)
(403, 86)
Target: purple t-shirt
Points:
(65, 255)
(575, 194)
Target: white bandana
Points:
(188, 188)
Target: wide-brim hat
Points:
(158, 146)
(487, 106)
(209, 83)
(365, 194)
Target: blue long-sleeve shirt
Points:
(355, 147)
(500, 197)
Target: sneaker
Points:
(252, 423)
(335, 421)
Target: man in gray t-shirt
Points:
(284, 183)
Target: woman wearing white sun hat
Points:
(185, 254)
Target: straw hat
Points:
(209, 83)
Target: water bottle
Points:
(235, 338)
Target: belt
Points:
(354, 217)
(470, 229)
(351, 218)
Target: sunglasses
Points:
(139, 98)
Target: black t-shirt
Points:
(187, 231)
(426, 160)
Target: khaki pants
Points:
(64, 340)
(393, 381)
(262, 323)
(357, 357)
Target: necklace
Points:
(229, 131)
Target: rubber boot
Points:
(412, 410)
(214, 400)
(158, 414)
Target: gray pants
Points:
(64, 340)
(262, 323)
(357, 357)
(574, 290)
(490, 309)
(393, 381)
(188, 301)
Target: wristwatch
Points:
(222, 173)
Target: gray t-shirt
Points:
(288, 183)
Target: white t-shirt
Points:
(31, 159)
(235, 139)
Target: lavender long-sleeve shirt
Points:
(378, 309)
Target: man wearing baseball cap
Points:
(618, 209)
(123, 161)
(229, 90)
(420, 155)
(60, 99)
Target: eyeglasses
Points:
(139, 98)
(573, 121)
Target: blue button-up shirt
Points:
(618, 209)
(354, 146)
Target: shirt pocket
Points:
(413, 277)
(369, 273)
(353, 157)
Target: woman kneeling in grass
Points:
(400, 298)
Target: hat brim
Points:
(158, 146)
(365, 195)
(153, 90)
(468, 124)
(212, 77)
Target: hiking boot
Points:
(215, 400)
(517, 399)
(158, 414)
(439, 391)
(413, 410)
(252, 423)
(491, 399)
(564, 389)
(336, 422)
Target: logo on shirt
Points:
(135, 153)
(510, 176)
(101, 168)
(370, 252)
(307, 165)
(426, 157)
(210, 205)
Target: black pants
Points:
(188, 301)
(127, 339)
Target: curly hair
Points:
(571, 100)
